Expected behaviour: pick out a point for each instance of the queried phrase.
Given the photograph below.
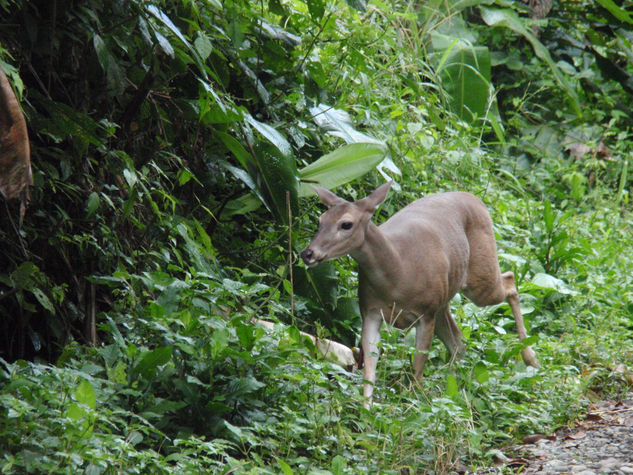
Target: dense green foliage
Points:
(172, 142)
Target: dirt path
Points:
(602, 443)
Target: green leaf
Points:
(316, 9)
(22, 277)
(165, 45)
(92, 204)
(288, 287)
(241, 386)
(285, 468)
(43, 299)
(219, 342)
(276, 180)
(509, 19)
(160, 15)
(271, 134)
(320, 284)
(150, 360)
(341, 166)
(617, 11)
(103, 55)
(339, 464)
(242, 205)
(114, 75)
(246, 334)
(339, 124)
(204, 238)
(218, 111)
(480, 372)
(130, 177)
(235, 432)
(203, 45)
(75, 412)
(85, 394)
(360, 5)
(236, 148)
(548, 216)
(546, 281)
(134, 438)
(243, 176)
(465, 73)
(452, 390)
(331, 170)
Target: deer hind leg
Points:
(491, 291)
(448, 332)
(487, 286)
(512, 297)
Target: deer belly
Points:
(398, 316)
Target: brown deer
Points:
(411, 266)
(15, 162)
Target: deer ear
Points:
(371, 202)
(327, 197)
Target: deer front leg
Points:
(369, 339)
(423, 339)
(448, 332)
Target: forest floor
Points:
(600, 443)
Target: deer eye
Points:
(346, 225)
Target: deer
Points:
(412, 265)
(15, 162)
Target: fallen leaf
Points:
(619, 368)
(594, 417)
(581, 434)
(518, 463)
(624, 372)
(534, 438)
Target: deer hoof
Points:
(529, 357)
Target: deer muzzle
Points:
(310, 257)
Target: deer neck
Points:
(378, 261)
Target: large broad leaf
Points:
(268, 169)
(271, 134)
(509, 19)
(272, 169)
(242, 205)
(550, 283)
(341, 166)
(465, 73)
(339, 124)
(319, 284)
(85, 394)
(150, 360)
(165, 20)
(316, 9)
(276, 180)
(114, 74)
(236, 148)
(360, 5)
(331, 170)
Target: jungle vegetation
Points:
(173, 143)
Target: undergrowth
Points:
(169, 219)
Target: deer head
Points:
(342, 227)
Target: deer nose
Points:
(307, 255)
